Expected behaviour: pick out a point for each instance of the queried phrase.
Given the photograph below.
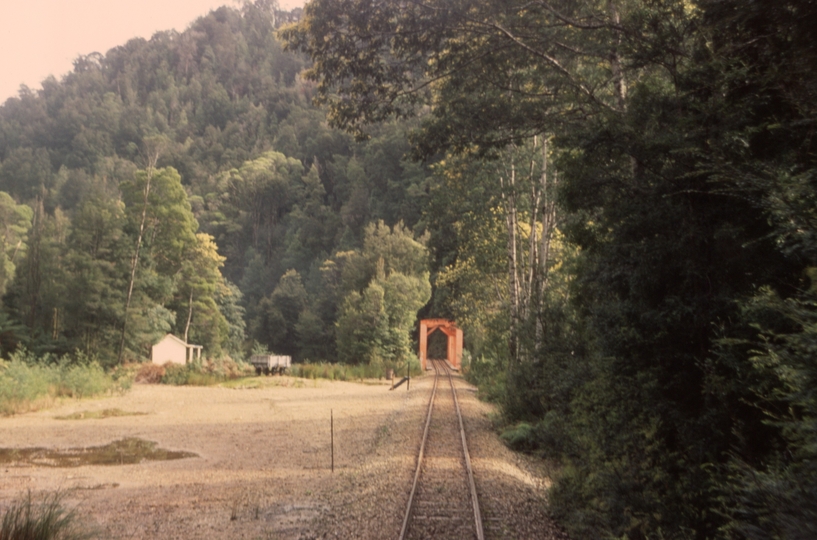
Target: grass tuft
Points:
(48, 519)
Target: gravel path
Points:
(263, 465)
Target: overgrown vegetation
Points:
(624, 223)
(356, 372)
(186, 184)
(205, 372)
(28, 382)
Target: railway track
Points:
(443, 500)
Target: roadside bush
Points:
(519, 437)
(21, 385)
(175, 374)
(489, 376)
(83, 380)
(27, 381)
(549, 437)
(150, 373)
(224, 368)
(124, 375)
(204, 372)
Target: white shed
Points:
(172, 349)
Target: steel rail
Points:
(471, 483)
(421, 454)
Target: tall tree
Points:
(386, 283)
(161, 224)
(15, 222)
(197, 284)
(536, 64)
(97, 249)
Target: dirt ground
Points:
(263, 465)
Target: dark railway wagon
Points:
(270, 363)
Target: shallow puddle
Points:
(122, 452)
(105, 413)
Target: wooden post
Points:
(332, 436)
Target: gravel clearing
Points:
(263, 465)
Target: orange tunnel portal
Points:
(454, 334)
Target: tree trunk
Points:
(548, 201)
(619, 81)
(189, 315)
(153, 158)
(133, 266)
(509, 199)
(33, 267)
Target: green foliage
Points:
(684, 149)
(26, 380)
(176, 374)
(280, 313)
(81, 380)
(774, 496)
(197, 288)
(362, 327)
(204, 373)
(228, 299)
(169, 225)
(489, 376)
(21, 385)
(218, 123)
(519, 437)
(47, 519)
(391, 271)
(96, 251)
(357, 372)
(15, 222)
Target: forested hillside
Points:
(187, 184)
(623, 219)
(615, 199)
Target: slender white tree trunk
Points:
(619, 80)
(189, 315)
(153, 151)
(133, 266)
(548, 183)
(509, 200)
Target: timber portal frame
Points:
(454, 334)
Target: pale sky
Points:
(39, 38)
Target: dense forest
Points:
(616, 200)
(187, 184)
(623, 208)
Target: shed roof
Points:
(179, 341)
